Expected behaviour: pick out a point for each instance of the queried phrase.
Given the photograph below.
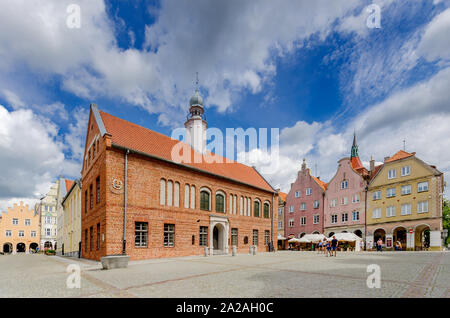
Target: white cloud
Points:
(435, 43)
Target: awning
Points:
(280, 237)
(348, 237)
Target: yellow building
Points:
(72, 220)
(19, 229)
(405, 204)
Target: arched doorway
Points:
(48, 244)
(7, 248)
(315, 232)
(218, 238)
(399, 234)
(330, 234)
(301, 235)
(422, 237)
(34, 246)
(379, 233)
(20, 248)
(358, 232)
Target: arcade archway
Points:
(20, 248)
(422, 237)
(7, 248)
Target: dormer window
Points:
(344, 184)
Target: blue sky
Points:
(312, 69)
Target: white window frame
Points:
(333, 218)
(420, 186)
(356, 198)
(316, 218)
(291, 208)
(316, 204)
(390, 211)
(376, 195)
(162, 192)
(333, 203)
(406, 171)
(308, 191)
(391, 192)
(21, 233)
(291, 222)
(422, 207)
(406, 189)
(392, 174)
(15, 221)
(376, 213)
(344, 184)
(355, 213)
(297, 194)
(8, 233)
(303, 220)
(303, 206)
(344, 217)
(408, 211)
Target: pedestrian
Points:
(400, 247)
(319, 248)
(380, 245)
(361, 245)
(334, 246)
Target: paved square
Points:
(281, 274)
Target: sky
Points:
(316, 70)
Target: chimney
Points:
(372, 164)
(386, 158)
(292, 184)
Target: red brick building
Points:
(304, 205)
(171, 209)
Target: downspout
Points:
(124, 246)
(365, 216)
(271, 225)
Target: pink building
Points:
(304, 205)
(344, 207)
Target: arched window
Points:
(241, 208)
(176, 194)
(256, 209)
(249, 207)
(192, 197)
(266, 210)
(220, 202)
(205, 199)
(230, 204)
(169, 193)
(162, 192)
(186, 196)
(234, 205)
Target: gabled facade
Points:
(281, 209)
(304, 205)
(405, 203)
(63, 186)
(47, 208)
(344, 208)
(72, 220)
(137, 200)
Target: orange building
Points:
(19, 229)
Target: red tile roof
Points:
(400, 155)
(322, 184)
(135, 137)
(69, 184)
(283, 195)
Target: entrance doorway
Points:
(34, 246)
(379, 233)
(218, 239)
(20, 248)
(48, 244)
(400, 235)
(422, 238)
(358, 232)
(7, 248)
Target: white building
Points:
(47, 210)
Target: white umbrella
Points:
(314, 238)
(294, 240)
(304, 240)
(349, 237)
(280, 237)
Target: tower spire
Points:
(354, 152)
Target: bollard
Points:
(206, 251)
(255, 249)
(234, 250)
(211, 251)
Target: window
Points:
(46, 208)
(48, 232)
(390, 211)
(291, 223)
(376, 195)
(176, 194)
(249, 205)
(333, 203)
(255, 237)
(406, 209)
(15, 221)
(280, 225)
(203, 236)
(91, 238)
(390, 193)
(266, 210)
(48, 220)
(245, 206)
(297, 194)
(392, 174)
(406, 189)
(316, 219)
(8, 233)
(376, 213)
(169, 193)
(204, 200)
(406, 171)
(98, 236)
(291, 208)
(422, 207)
(241, 205)
(162, 192)
(308, 191)
(186, 196)
(91, 197)
(33, 233)
(316, 204)
(344, 217)
(422, 186)
(192, 197)
(303, 220)
(220, 203)
(27, 222)
(266, 237)
(344, 184)
(355, 215)
(21, 233)
(234, 237)
(344, 201)
(235, 204)
(85, 201)
(303, 206)
(169, 235)
(97, 186)
(356, 198)
(140, 234)
(280, 211)
(334, 218)
(86, 240)
(256, 209)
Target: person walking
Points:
(319, 247)
(380, 245)
(334, 246)
(327, 248)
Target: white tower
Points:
(196, 124)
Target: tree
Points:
(446, 218)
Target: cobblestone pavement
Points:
(281, 274)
